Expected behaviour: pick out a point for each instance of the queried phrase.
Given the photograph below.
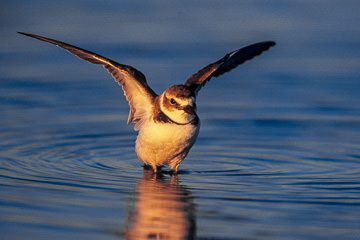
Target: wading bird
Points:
(168, 124)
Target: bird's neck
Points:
(163, 114)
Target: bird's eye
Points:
(172, 101)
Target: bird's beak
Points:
(190, 110)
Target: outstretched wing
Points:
(138, 93)
(226, 64)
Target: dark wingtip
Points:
(26, 34)
(271, 44)
(237, 57)
(30, 35)
(268, 44)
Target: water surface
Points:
(278, 153)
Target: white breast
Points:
(163, 143)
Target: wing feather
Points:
(136, 90)
(226, 64)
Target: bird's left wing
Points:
(226, 64)
(137, 92)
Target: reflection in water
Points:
(163, 210)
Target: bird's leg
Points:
(157, 169)
(176, 169)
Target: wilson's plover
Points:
(168, 124)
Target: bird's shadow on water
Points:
(161, 209)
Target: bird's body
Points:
(166, 137)
(168, 124)
(164, 143)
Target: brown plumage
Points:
(168, 124)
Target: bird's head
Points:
(178, 103)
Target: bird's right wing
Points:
(137, 92)
(226, 64)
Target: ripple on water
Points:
(275, 172)
(268, 186)
(51, 176)
(53, 181)
(81, 161)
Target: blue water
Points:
(278, 155)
